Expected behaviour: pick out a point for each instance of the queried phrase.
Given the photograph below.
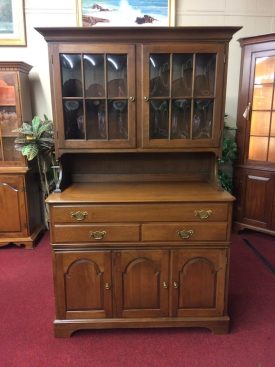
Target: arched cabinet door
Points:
(12, 206)
(198, 282)
(141, 283)
(83, 284)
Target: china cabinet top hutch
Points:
(139, 118)
(20, 209)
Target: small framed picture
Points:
(92, 13)
(12, 23)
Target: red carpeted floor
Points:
(27, 311)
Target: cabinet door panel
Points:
(141, 283)
(198, 282)
(83, 284)
(182, 96)
(12, 206)
(98, 96)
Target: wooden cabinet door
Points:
(198, 282)
(13, 221)
(96, 88)
(183, 95)
(83, 284)
(254, 190)
(141, 283)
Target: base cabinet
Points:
(20, 210)
(139, 284)
(255, 206)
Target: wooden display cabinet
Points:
(20, 200)
(141, 229)
(255, 169)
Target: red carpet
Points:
(27, 311)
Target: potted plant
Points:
(229, 155)
(36, 142)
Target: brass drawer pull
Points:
(203, 214)
(165, 285)
(185, 233)
(79, 215)
(97, 235)
(175, 285)
(108, 286)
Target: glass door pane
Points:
(8, 120)
(181, 95)
(96, 96)
(117, 94)
(262, 128)
(258, 148)
(94, 75)
(159, 75)
(7, 89)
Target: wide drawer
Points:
(184, 231)
(139, 212)
(95, 233)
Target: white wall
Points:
(255, 16)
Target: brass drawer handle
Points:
(108, 286)
(185, 233)
(97, 235)
(203, 214)
(175, 285)
(79, 215)
(165, 285)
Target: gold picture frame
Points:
(125, 13)
(12, 23)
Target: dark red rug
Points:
(27, 312)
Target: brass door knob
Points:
(165, 285)
(175, 285)
(132, 99)
(146, 98)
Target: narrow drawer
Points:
(95, 233)
(213, 212)
(184, 232)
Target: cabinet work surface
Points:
(139, 192)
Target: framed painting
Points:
(12, 23)
(91, 13)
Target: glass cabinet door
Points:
(182, 96)
(261, 138)
(98, 96)
(9, 119)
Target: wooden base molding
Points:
(65, 328)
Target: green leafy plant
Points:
(36, 142)
(229, 155)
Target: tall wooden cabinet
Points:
(140, 230)
(20, 201)
(255, 169)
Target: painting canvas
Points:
(12, 26)
(125, 12)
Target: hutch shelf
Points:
(140, 229)
(255, 169)
(20, 200)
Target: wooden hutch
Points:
(140, 230)
(255, 169)
(20, 199)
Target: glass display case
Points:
(255, 169)
(20, 209)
